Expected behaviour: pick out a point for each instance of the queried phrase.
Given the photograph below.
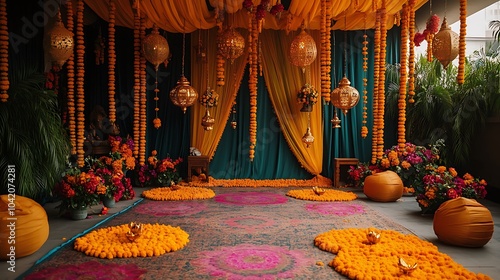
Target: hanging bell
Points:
(308, 138)
(207, 121)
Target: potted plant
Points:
(157, 173)
(307, 96)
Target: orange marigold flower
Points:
(385, 163)
(467, 176)
(405, 164)
(441, 169)
(453, 172)
(483, 182)
(392, 155)
(395, 162)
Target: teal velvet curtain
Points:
(273, 158)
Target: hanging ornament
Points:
(303, 50)
(335, 121)
(155, 48)
(308, 138)
(230, 44)
(183, 94)
(58, 42)
(445, 46)
(233, 112)
(344, 96)
(307, 96)
(207, 121)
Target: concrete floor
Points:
(405, 211)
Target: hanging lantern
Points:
(183, 94)
(207, 121)
(308, 138)
(155, 48)
(303, 50)
(230, 44)
(335, 121)
(445, 44)
(58, 43)
(344, 96)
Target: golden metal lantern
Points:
(59, 42)
(207, 121)
(344, 96)
(445, 44)
(303, 50)
(155, 48)
(230, 44)
(183, 94)
(308, 138)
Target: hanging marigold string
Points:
(325, 58)
(252, 83)
(70, 69)
(111, 61)
(80, 80)
(461, 42)
(376, 70)
(4, 52)
(137, 79)
(364, 128)
(403, 78)
(220, 64)
(411, 59)
(142, 99)
(381, 76)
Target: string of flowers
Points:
(328, 195)
(403, 78)
(137, 79)
(4, 52)
(252, 83)
(70, 70)
(112, 242)
(142, 98)
(80, 80)
(381, 76)
(353, 249)
(324, 61)
(318, 181)
(364, 128)
(376, 70)
(461, 42)
(411, 59)
(181, 193)
(431, 28)
(111, 61)
(220, 70)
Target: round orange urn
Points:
(463, 222)
(24, 227)
(384, 186)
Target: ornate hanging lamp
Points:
(335, 121)
(445, 44)
(308, 138)
(230, 44)
(58, 42)
(183, 94)
(155, 48)
(207, 121)
(344, 96)
(303, 50)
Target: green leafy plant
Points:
(32, 137)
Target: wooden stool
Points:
(198, 161)
(338, 162)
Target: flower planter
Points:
(109, 202)
(79, 214)
(306, 107)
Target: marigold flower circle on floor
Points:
(182, 193)
(328, 195)
(357, 258)
(112, 242)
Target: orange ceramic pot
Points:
(463, 222)
(384, 186)
(24, 226)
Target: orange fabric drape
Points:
(207, 141)
(283, 81)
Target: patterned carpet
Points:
(242, 233)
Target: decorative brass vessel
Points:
(318, 191)
(406, 268)
(135, 231)
(373, 237)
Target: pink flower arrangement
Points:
(78, 189)
(432, 27)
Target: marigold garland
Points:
(329, 195)
(364, 128)
(376, 70)
(180, 193)
(80, 80)
(142, 98)
(137, 79)
(411, 59)
(4, 53)
(252, 84)
(325, 55)
(381, 77)
(358, 259)
(111, 61)
(461, 42)
(318, 181)
(403, 78)
(111, 242)
(70, 70)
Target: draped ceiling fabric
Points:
(189, 15)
